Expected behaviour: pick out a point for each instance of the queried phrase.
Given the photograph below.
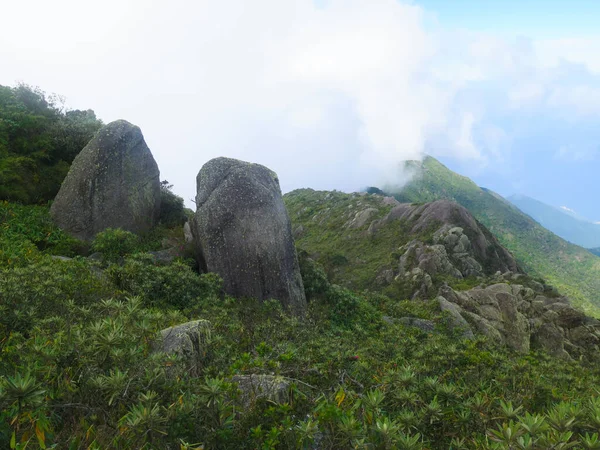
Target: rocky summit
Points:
(113, 183)
(457, 245)
(243, 233)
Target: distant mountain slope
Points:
(595, 251)
(360, 239)
(572, 269)
(562, 223)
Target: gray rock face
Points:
(520, 318)
(443, 248)
(243, 233)
(456, 319)
(113, 182)
(270, 387)
(189, 340)
(361, 218)
(187, 233)
(468, 245)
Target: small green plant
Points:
(115, 243)
(172, 209)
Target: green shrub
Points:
(313, 276)
(172, 208)
(38, 141)
(27, 232)
(115, 243)
(175, 284)
(45, 288)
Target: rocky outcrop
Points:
(457, 245)
(523, 319)
(449, 243)
(457, 321)
(361, 218)
(269, 387)
(187, 233)
(113, 183)
(189, 340)
(243, 233)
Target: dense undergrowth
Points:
(39, 138)
(79, 367)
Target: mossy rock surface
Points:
(243, 233)
(114, 182)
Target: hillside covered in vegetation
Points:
(38, 141)
(561, 222)
(79, 366)
(572, 269)
(418, 330)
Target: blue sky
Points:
(533, 18)
(334, 94)
(554, 153)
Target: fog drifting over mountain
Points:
(329, 95)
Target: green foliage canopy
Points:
(38, 141)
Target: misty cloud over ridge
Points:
(329, 96)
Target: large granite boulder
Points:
(243, 233)
(113, 182)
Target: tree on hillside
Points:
(38, 142)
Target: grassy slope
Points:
(350, 256)
(574, 270)
(83, 346)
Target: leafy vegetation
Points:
(572, 269)
(349, 255)
(115, 244)
(172, 210)
(38, 141)
(80, 367)
(27, 233)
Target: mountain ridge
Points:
(563, 223)
(572, 269)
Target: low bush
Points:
(172, 208)
(175, 284)
(115, 243)
(27, 233)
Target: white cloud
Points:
(329, 97)
(576, 154)
(582, 50)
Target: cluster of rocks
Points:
(191, 343)
(456, 246)
(241, 229)
(523, 318)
